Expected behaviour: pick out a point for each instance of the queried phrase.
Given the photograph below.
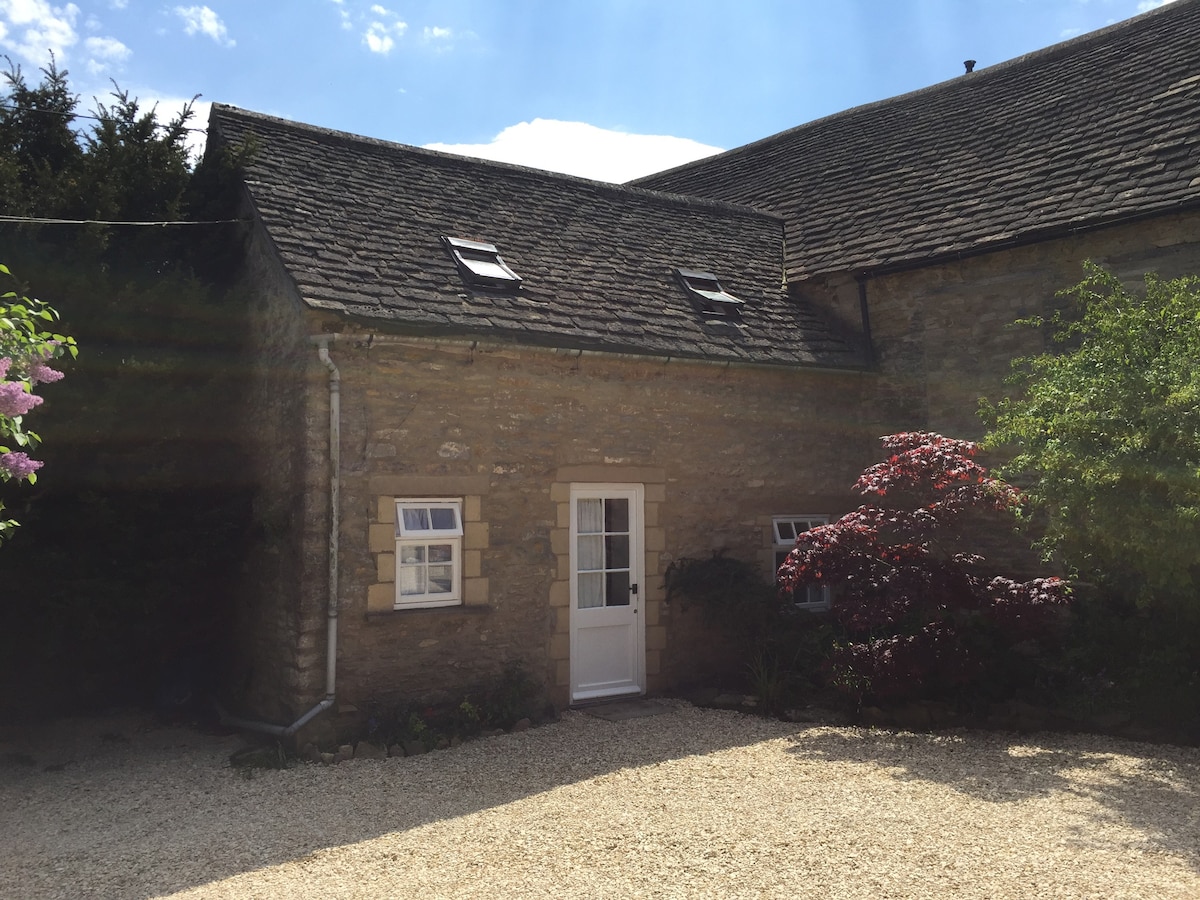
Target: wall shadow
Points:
(123, 812)
(145, 813)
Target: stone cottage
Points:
(490, 405)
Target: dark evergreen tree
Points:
(129, 541)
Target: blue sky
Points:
(609, 89)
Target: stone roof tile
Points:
(1099, 129)
(357, 223)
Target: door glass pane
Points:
(591, 552)
(616, 515)
(591, 590)
(590, 516)
(616, 548)
(617, 585)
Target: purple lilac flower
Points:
(15, 400)
(40, 373)
(5, 362)
(18, 465)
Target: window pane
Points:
(786, 531)
(416, 519)
(616, 515)
(487, 268)
(412, 580)
(591, 552)
(443, 519)
(617, 584)
(616, 551)
(590, 516)
(591, 590)
(441, 579)
(440, 553)
(412, 553)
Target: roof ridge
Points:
(474, 162)
(988, 73)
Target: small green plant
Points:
(769, 680)
(250, 760)
(515, 695)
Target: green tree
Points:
(40, 154)
(1106, 435)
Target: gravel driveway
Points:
(692, 803)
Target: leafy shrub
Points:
(1105, 435)
(781, 647)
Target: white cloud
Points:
(1147, 5)
(202, 20)
(118, 4)
(343, 14)
(436, 34)
(380, 37)
(577, 148)
(103, 53)
(107, 48)
(33, 29)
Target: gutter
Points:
(370, 338)
(335, 467)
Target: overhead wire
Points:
(74, 115)
(35, 220)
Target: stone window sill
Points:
(475, 610)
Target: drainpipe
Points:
(865, 311)
(335, 467)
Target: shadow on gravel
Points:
(135, 811)
(1152, 788)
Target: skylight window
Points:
(707, 294)
(480, 263)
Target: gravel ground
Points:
(692, 803)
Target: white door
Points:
(608, 636)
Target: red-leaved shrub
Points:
(920, 614)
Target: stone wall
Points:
(941, 333)
(719, 449)
(277, 669)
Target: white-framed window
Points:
(480, 263)
(428, 553)
(784, 531)
(708, 295)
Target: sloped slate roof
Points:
(358, 224)
(1095, 130)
